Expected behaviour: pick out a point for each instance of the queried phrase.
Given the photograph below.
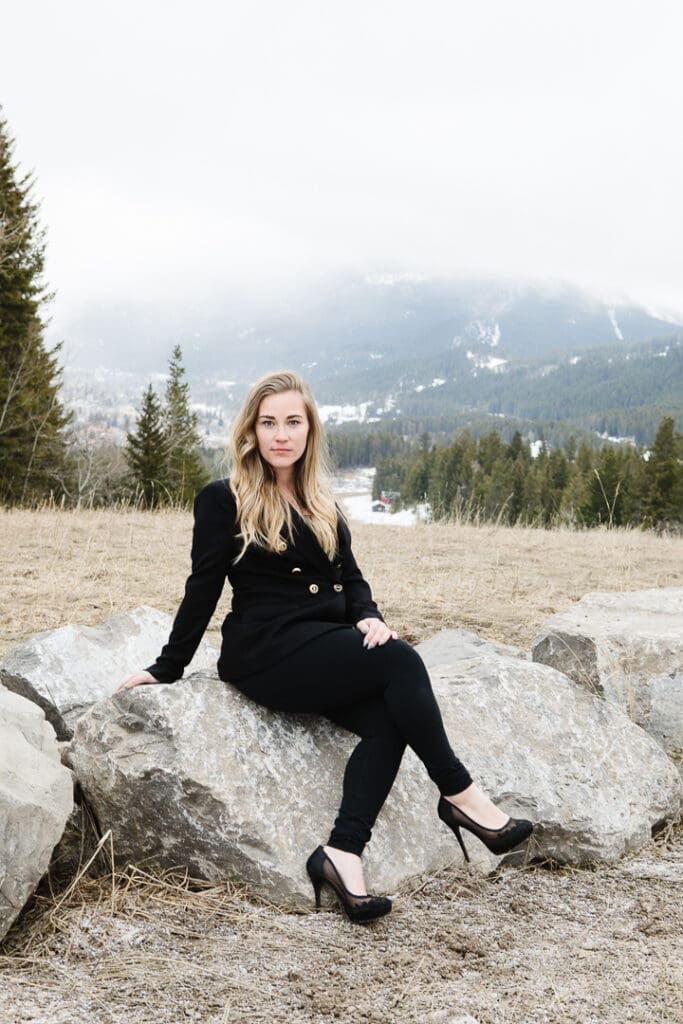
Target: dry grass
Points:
(59, 567)
(526, 945)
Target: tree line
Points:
(490, 480)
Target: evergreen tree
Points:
(605, 497)
(517, 497)
(186, 471)
(147, 453)
(664, 496)
(33, 447)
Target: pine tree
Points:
(33, 446)
(604, 501)
(664, 495)
(147, 453)
(186, 471)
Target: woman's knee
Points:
(405, 663)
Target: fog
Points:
(185, 150)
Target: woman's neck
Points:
(288, 490)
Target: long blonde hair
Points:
(262, 509)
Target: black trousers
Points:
(383, 695)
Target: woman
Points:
(304, 633)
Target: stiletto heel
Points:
(359, 909)
(497, 840)
(458, 836)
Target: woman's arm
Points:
(213, 547)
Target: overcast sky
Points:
(187, 145)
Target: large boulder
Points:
(36, 797)
(196, 775)
(460, 644)
(66, 670)
(627, 648)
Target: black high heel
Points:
(359, 909)
(497, 840)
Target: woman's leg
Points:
(369, 774)
(331, 675)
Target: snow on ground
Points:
(359, 507)
(354, 490)
(343, 413)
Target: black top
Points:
(279, 601)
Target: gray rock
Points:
(196, 775)
(458, 644)
(36, 797)
(615, 645)
(66, 670)
(594, 782)
(665, 716)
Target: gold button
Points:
(313, 588)
(338, 587)
(296, 569)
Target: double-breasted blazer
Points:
(280, 601)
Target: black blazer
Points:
(279, 601)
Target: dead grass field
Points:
(58, 567)
(525, 945)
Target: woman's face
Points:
(281, 430)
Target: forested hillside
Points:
(620, 390)
(488, 479)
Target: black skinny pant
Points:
(383, 695)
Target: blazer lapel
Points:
(306, 543)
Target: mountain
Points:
(349, 322)
(411, 353)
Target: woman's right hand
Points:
(137, 679)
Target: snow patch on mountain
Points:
(493, 363)
(479, 332)
(436, 383)
(611, 313)
(338, 414)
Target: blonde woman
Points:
(304, 634)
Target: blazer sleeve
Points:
(359, 602)
(213, 547)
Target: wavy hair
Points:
(262, 509)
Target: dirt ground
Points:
(527, 944)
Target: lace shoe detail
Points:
(497, 840)
(358, 908)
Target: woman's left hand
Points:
(376, 632)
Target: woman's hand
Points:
(376, 632)
(137, 679)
